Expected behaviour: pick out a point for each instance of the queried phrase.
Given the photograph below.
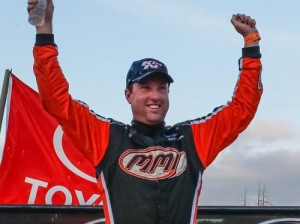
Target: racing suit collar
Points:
(144, 136)
(147, 129)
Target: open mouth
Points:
(154, 106)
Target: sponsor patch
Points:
(153, 163)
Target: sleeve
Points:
(219, 129)
(88, 131)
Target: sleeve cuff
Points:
(44, 39)
(251, 52)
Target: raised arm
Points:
(87, 130)
(217, 130)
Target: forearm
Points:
(47, 28)
(52, 85)
(249, 88)
(252, 44)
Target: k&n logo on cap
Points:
(151, 64)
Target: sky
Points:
(98, 40)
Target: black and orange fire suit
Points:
(148, 174)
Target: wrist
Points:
(252, 40)
(252, 44)
(44, 29)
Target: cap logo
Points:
(151, 64)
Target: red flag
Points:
(40, 165)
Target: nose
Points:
(155, 94)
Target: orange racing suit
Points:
(148, 174)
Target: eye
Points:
(145, 87)
(163, 88)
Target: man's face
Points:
(149, 99)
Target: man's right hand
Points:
(47, 27)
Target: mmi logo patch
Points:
(153, 163)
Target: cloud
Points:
(277, 171)
(268, 131)
(263, 137)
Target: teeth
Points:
(154, 106)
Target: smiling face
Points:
(149, 99)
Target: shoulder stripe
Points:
(99, 117)
(209, 116)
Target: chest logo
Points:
(153, 163)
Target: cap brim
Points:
(164, 74)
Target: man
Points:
(148, 172)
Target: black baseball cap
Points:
(145, 67)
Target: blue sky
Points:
(98, 40)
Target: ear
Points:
(128, 95)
